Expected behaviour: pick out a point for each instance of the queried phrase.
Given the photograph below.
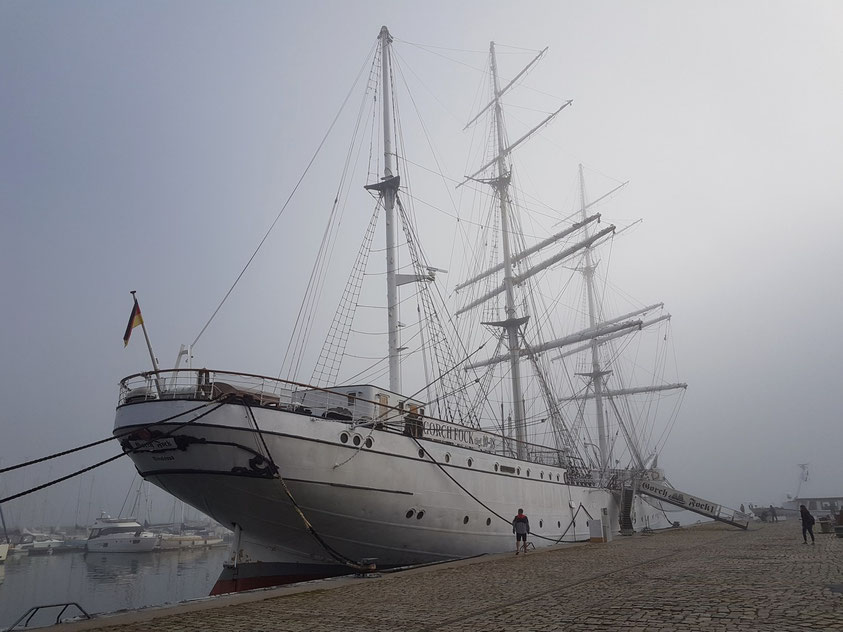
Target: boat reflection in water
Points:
(115, 569)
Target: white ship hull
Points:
(402, 501)
(123, 543)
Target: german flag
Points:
(135, 319)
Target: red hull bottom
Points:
(254, 576)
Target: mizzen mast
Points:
(596, 372)
(608, 330)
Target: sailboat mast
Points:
(389, 191)
(596, 372)
(512, 322)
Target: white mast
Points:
(596, 373)
(390, 186)
(512, 322)
(388, 189)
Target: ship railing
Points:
(614, 479)
(545, 455)
(204, 384)
(408, 417)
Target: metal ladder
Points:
(31, 613)
(625, 518)
(693, 503)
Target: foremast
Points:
(389, 187)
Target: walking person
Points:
(807, 524)
(773, 516)
(520, 527)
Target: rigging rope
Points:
(492, 511)
(115, 457)
(283, 208)
(305, 316)
(93, 443)
(330, 359)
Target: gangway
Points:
(693, 503)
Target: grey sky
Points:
(147, 146)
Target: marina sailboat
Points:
(522, 403)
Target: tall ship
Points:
(519, 398)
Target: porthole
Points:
(541, 475)
(497, 467)
(369, 442)
(344, 437)
(420, 514)
(465, 520)
(410, 513)
(356, 440)
(518, 471)
(488, 521)
(447, 458)
(470, 461)
(557, 478)
(558, 524)
(541, 524)
(528, 473)
(421, 453)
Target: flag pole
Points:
(151, 354)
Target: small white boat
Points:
(4, 551)
(39, 543)
(119, 535)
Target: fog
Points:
(149, 146)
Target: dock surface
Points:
(706, 577)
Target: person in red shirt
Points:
(520, 527)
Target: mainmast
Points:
(388, 188)
(512, 322)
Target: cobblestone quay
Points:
(706, 577)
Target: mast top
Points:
(385, 34)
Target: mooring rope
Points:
(339, 557)
(489, 509)
(110, 459)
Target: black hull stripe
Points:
(398, 456)
(266, 478)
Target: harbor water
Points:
(105, 582)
